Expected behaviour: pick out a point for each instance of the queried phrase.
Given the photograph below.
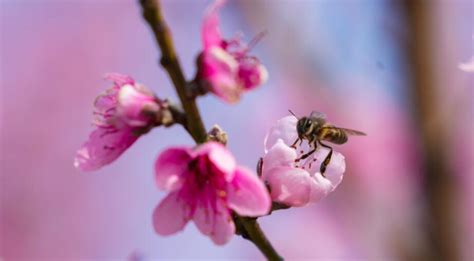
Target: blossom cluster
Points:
(204, 182)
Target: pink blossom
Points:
(225, 64)
(205, 185)
(120, 116)
(297, 183)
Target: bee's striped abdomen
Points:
(332, 134)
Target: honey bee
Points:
(315, 129)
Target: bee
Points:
(315, 129)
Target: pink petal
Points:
(220, 69)
(284, 129)
(334, 171)
(252, 74)
(106, 101)
(171, 215)
(211, 35)
(132, 101)
(203, 216)
(119, 79)
(170, 166)
(103, 147)
(224, 227)
(279, 155)
(320, 187)
(214, 220)
(290, 186)
(220, 157)
(247, 195)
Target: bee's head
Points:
(305, 127)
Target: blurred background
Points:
(388, 68)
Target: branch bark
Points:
(254, 233)
(169, 60)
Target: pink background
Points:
(341, 57)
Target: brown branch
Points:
(253, 232)
(169, 60)
(194, 125)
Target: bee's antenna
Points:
(293, 114)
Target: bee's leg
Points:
(326, 161)
(294, 143)
(304, 156)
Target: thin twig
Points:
(169, 60)
(254, 233)
(194, 125)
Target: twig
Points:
(169, 60)
(194, 125)
(278, 206)
(254, 233)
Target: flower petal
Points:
(211, 35)
(171, 215)
(170, 166)
(334, 171)
(103, 147)
(290, 186)
(220, 157)
(106, 102)
(224, 227)
(285, 129)
(132, 102)
(213, 219)
(119, 79)
(279, 155)
(247, 195)
(203, 216)
(220, 69)
(320, 187)
(252, 74)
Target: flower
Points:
(225, 64)
(205, 184)
(123, 112)
(292, 182)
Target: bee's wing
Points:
(353, 132)
(317, 115)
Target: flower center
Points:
(205, 174)
(305, 156)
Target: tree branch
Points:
(169, 60)
(254, 233)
